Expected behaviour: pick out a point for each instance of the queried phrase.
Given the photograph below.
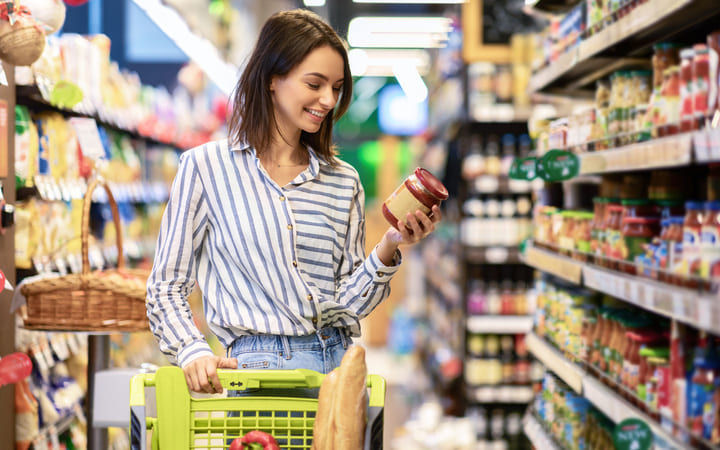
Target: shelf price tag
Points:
(678, 305)
(88, 137)
(632, 434)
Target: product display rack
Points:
(626, 43)
(699, 309)
(596, 56)
(604, 397)
(538, 435)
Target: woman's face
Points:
(308, 92)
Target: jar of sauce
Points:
(674, 247)
(710, 241)
(692, 229)
(687, 121)
(613, 235)
(713, 42)
(701, 82)
(670, 92)
(666, 54)
(639, 207)
(597, 226)
(637, 234)
(420, 191)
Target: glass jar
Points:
(713, 42)
(420, 191)
(710, 242)
(638, 207)
(692, 228)
(666, 55)
(687, 121)
(613, 235)
(637, 233)
(670, 114)
(701, 83)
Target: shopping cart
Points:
(185, 422)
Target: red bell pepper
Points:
(262, 440)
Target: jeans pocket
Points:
(258, 361)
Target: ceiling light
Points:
(411, 82)
(399, 32)
(373, 62)
(201, 51)
(314, 2)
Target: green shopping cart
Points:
(185, 422)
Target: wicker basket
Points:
(109, 300)
(22, 45)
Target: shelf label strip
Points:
(560, 266)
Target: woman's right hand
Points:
(201, 374)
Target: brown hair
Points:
(286, 38)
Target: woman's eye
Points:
(337, 89)
(313, 86)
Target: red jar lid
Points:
(431, 183)
(641, 220)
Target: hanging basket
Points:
(21, 44)
(109, 300)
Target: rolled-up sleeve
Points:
(171, 281)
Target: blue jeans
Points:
(322, 352)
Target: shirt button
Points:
(282, 198)
(314, 320)
(294, 263)
(380, 274)
(309, 297)
(289, 227)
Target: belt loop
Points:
(286, 346)
(343, 337)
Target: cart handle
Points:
(241, 380)
(377, 386)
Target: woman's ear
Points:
(271, 87)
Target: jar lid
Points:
(431, 183)
(635, 201)
(713, 205)
(615, 208)
(669, 202)
(693, 204)
(687, 53)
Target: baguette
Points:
(323, 429)
(350, 403)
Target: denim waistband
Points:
(322, 338)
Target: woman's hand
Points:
(201, 374)
(421, 225)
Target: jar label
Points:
(403, 201)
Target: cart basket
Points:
(185, 422)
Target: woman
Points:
(271, 224)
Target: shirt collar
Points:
(315, 159)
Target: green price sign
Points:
(66, 94)
(559, 165)
(523, 169)
(632, 434)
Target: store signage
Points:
(559, 165)
(632, 434)
(523, 169)
(66, 95)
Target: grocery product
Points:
(420, 191)
(350, 403)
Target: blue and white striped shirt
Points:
(269, 259)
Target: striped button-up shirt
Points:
(269, 259)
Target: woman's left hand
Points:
(420, 223)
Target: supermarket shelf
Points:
(618, 409)
(30, 96)
(499, 324)
(689, 306)
(672, 151)
(561, 266)
(536, 433)
(490, 184)
(601, 396)
(554, 360)
(492, 255)
(700, 310)
(643, 26)
(500, 394)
